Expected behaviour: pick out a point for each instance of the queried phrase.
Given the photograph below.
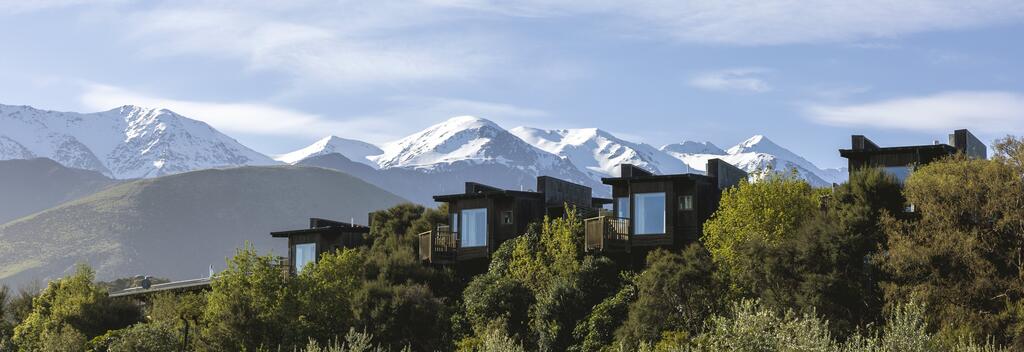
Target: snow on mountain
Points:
(758, 153)
(468, 145)
(354, 150)
(126, 142)
(691, 147)
(598, 153)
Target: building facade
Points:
(650, 211)
(900, 161)
(483, 217)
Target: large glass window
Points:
(305, 253)
(474, 227)
(650, 213)
(622, 203)
(899, 172)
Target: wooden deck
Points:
(606, 233)
(443, 246)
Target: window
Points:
(506, 218)
(474, 227)
(622, 203)
(899, 172)
(650, 213)
(305, 253)
(686, 202)
(454, 222)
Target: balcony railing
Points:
(439, 245)
(604, 231)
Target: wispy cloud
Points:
(746, 80)
(351, 44)
(771, 22)
(993, 112)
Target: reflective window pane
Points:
(650, 213)
(305, 253)
(622, 203)
(474, 227)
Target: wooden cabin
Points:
(650, 211)
(901, 161)
(483, 217)
(306, 245)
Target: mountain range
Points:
(147, 191)
(123, 143)
(135, 142)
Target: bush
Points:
(71, 309)
(676, 293)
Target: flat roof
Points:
(352, 229)
(610, 180)
(485, 194)
(184, 285)
(910, 148)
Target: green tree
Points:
(675, 294)
(325, 292)
(251, 305)
(597, 331)
(769, 210)
(71, 309)
(403, 315)
(961, 255)
(825, 265)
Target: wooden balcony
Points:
(440, 245)
(606, 233)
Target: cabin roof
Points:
(617, 180)
(329, 229)
(184, 285)
(946, 148)
(317, 225)
(488, 194)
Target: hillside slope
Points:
(28, 186)
(176, 226)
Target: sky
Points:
(277, 76)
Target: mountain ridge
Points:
(123, 143)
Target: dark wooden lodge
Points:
(901, 161)
(658, 210)
(483, 217)
(306, 245)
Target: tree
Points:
(403, 315)
(962, 254)
(71, 309)
(768, 211)
(325, 292)
(675, 294)
(251, 305)
(824, 266)
(597, 331)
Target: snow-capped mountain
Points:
(691, 147)
(126, 142)
(598, 153)
(757, 153)
(354, 150)
(469, 148)
(464, 139)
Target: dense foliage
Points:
(930, 264)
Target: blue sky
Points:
(279, 75)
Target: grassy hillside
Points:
(29, 186)
(176, 226)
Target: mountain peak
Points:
(692, 147)
(465, 122)
(354, 150)
(757, 143)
